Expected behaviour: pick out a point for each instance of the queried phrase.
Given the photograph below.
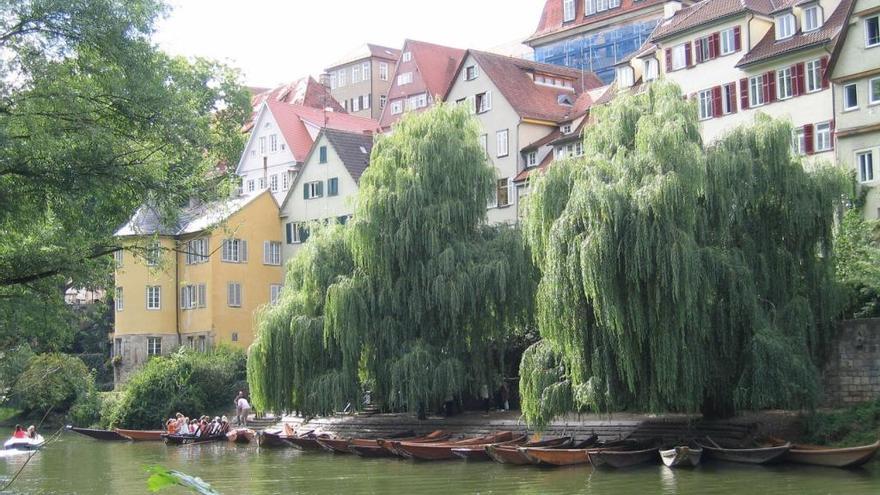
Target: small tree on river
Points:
(676, 278)
(415, 298)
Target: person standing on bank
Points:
(242, 408)
(484, 394)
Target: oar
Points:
(713, 442)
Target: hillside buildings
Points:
(361, 80)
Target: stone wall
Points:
(852, 374)
(133, 353)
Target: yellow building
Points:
(197, 283)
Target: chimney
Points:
(324, 78)
(670, 8)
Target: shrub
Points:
(186, 381)
(53, 381)
(13, 362)
(857, 425)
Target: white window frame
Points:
(272, 253)
(799, 141)
(866, 173)
(728, 99)
(565, 129)
(355, 73)
(273, 143)
(262, 142)
(812, 18)
(503, 184)
(626, 76)
(261, 183)
(502, 143)
(233, 294)
(274, 293)
(404, 78)
(679, 57)
(756, 91)
(340, 78)
(728, 42)
(197, 251)
(273, 182)
(234, 251)
(847, 104)
(119, 257)
(313, 189)
(876, 20)
(154, 346)
(651, 69)
(785, 26)
(873, 98)
(704, 104)
(471, 72)
(154, 297)
(406, 56)
(784, 84)
(568, 10)
(531, 158)
(822, 144)
(813, 77)
(484, 143)
(250, 185)
(285, 181)
(383, 71)
(483, 102)
(119, 299)
(396, 107)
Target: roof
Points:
(552, 16)
(305, 91)
(706, 11)
(541, 167)
(514, 79)
(366, 50)
(839, 42)
(146, 220)
(768, 47)
(544, 141)
(353, 149)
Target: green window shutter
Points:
(305, 191)
(289, 233)
(320, 189)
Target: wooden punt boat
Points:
(276, 438)
(510, 454)
(556, 457)
(443, 450)
(241, 435)
(343, 445)
(308, 441)
(832, 457)
(107, 435)
(753, 455)
(478, 452)
(619, 459)
(383, 447)
(189, 439)
(142, 435)
(681, 456)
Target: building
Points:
(197, 282)
(305, 92)
(737, 58)
(594, 35)
(855, 72)
(422, 75)
(328, 179)
(281, 137)
(519, 103)
(361, 80)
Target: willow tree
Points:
(431, 294)
(678, 278)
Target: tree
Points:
(415, 299)
(678, 278)
(94, 121)
(857, 258)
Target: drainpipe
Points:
(177, 296)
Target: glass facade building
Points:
(597, 51)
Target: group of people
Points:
(21, 433)
(199, 427)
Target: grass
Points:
(857, 425)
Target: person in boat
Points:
(224, 425)
(19, 433)
(32, 432)
(288, 430)
(171, 426)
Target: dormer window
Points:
(564, 100)
(651, 71)
(407, 56)
(567, 10)
(785, 26)
(471, 73)
(625, 77)
(812, 18)
(566, 129)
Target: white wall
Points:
(278, 162)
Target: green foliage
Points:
(95, 121)
(676, 278)
(414, 299)
(162, 478)
(13, 362)
(857, 258)
(186, 381)
(56, 382)
(856, 425)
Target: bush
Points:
(53, 381)
(857, 425)
(13, 363)
(186, 381)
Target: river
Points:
(78, 465)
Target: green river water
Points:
(78, 465)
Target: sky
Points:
(277, 41)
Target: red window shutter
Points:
(731, 95)
(770, 86)
(669, 60)
(737, 43)
(825, 73)
(744, 93)
(716, 44)
(716, 102)
(800, 69)
(688, 56)
(831, 132)
(699, 46)
(808, 138)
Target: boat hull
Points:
(620, 459)
(241, 435)
(25, 443)
(305, 443)
(141, 435)
(682, 456)
(840, 458)
(444, 451)
(105, 435)
(272, 439)
(556, 457)
(190, 440)
(335, 445)
(762, 455)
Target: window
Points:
(823, 136)
(355, 105)
(312, 190)
(197, 251)
(567, 10)
(274, 293)
(874, 90)
(625, 76)
(471, 72)
(484, 102)
(261, 183)
(799, 142)
(865, 160)
(154, 297)
(502, 192)
(705, 104)
(728, 41)
(728, 98)
(502, 143)
(117, 347)
(322, 154)
(285, 181)
(189, 296)
(250, 185)
(484, 142)
(872, 31)
(850, 97)
(679, 57)
(273, 143)
(297, 233)
(532, 159)
(233, 294)
(271, 253)
(784, 84)
(203, 343)
(191, 342)
(202, 298)
(234, 251)
(383, 71)
(396, 107)
(154, 346)
(703, 48)
(405, 78)
(340, 78)
(814, 75)
(235, 336)
(594, 6)
(356, 74)
(154, 254)
(566, 129)
(119, 299)
(365, 102)
(262, 145)
(118, 256)
(382, 100)
(784, 26)
(333, 186)
(333, 80)
(417, 101)
(273, 183)
(407, 56)
(756, 91)
(651, 71)
(812, 18)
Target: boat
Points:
(510, 454)
(832, 457)
(25, 443)
(274, 438)
(383, 448)
(438, 451)
(478, 452)
(241, 435)
(681, 456)
(141, 435)
(107, 435)
(555, 457)
(343, 445)
(190, 439)
(308, 441)
(622, 458)
(752, 455)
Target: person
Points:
(32, 431)
(484, 394)
(224, 425)
(505, 396)
(171, 426)
(243, 408)
(19, 433)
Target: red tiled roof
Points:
(551, 18)
(768, 47)
(540, 168)
(706, 11)
(305, 91)
(544, 141)
(367, 50)
(292, 120)
(513, 78)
